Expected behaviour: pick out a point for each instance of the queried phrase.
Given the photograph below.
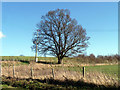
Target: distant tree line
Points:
(81, 58)
(100, 58)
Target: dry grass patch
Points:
(42, 71)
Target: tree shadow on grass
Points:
(25, 62)
(80, 84)
(47, 62)
(56, 84)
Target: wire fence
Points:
(61, 72)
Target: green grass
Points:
(107, 69)
(111, 70)
(66, 60)
(26, 58)
(51, 84)
(17, 64)
(6, 87)
(22, 63)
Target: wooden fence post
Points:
(31, 72)
(53, 72)
(8, 70)
(83, 71)
(13, 71)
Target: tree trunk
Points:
(59, 61)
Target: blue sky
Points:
(99, 19)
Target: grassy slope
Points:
(107, 69)
(51, 84)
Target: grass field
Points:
(71, 69)
(51, 84)
(107, 69)
(74, 60)
(7, 87)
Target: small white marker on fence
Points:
(36, 59)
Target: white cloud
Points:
(1, 35)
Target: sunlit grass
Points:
(107, 69)
(7, 87)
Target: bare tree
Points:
(60, 36)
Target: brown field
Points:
(42, 71)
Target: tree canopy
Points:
(59, 35)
